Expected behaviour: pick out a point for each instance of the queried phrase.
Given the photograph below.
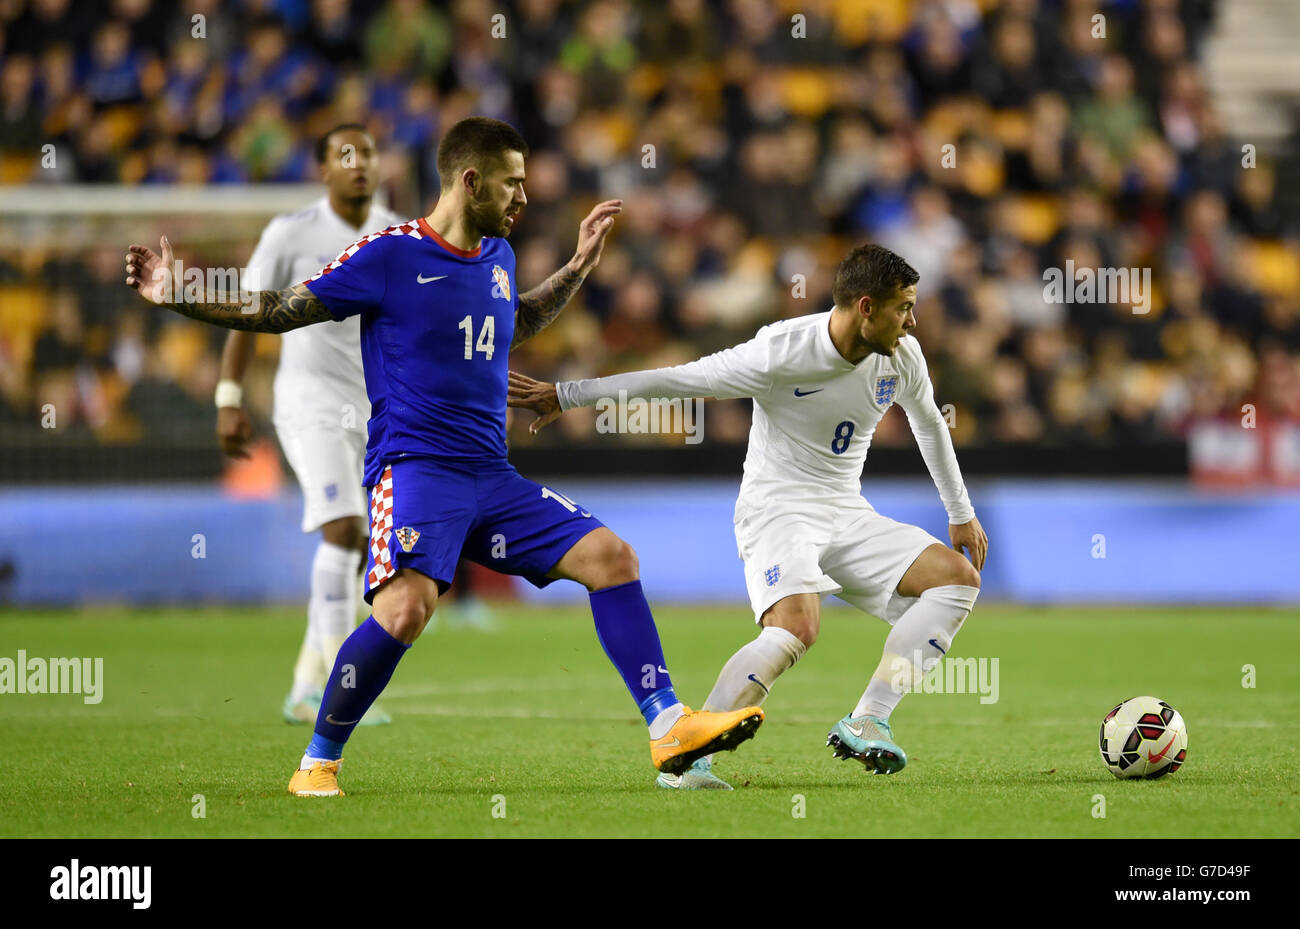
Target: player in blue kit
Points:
(439, 313)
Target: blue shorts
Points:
(427, 514)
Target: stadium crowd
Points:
(984, 141)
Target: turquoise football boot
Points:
(867, 739)
(375, 716)
(699, 776)
(304, 712)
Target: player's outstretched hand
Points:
(538, 396)
(148, 274)
(592, 232)
(971, 537)
(234, 430)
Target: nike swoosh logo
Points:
(676, 741)
(760, 684)
(1154, 758)
(425, 280)
(942, 650)
(808, 393)
(858, 731)
(329, 718)
(663, 670)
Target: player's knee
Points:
(405, 609)
(804, 628)
(616, 562)
(407, 622)
(346, 533)
(801, 622)
(806, 632)
(954, 569)
(964, 573)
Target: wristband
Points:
(229, 393)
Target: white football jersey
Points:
(320, 380)
(814, 412)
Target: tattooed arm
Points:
(151, 276)
(271, 310)
(543, 303)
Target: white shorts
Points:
(329, 463)
(842, 547)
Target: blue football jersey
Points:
(436, 326)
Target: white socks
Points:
(331, 615)
(746, 679)
(309, 671)
(919, 639)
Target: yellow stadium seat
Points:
(858, 21)
(1275, 267)
(17, 167)
(806, 91)
(1036, 218)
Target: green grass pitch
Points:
(535, 715)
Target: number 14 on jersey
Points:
(486, 337)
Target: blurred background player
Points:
(821, 384)
(321, 407)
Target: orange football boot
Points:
(320, 780)
(702, 733)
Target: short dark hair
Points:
(323, 143)
(473, 141)
(872, 271)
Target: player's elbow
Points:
(928, 424)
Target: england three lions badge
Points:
(886, 388)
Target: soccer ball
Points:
(1143, 737)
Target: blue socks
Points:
(364, 666)
(627, 633)
(369, 656)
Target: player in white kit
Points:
(820, 385)
(321, 406)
